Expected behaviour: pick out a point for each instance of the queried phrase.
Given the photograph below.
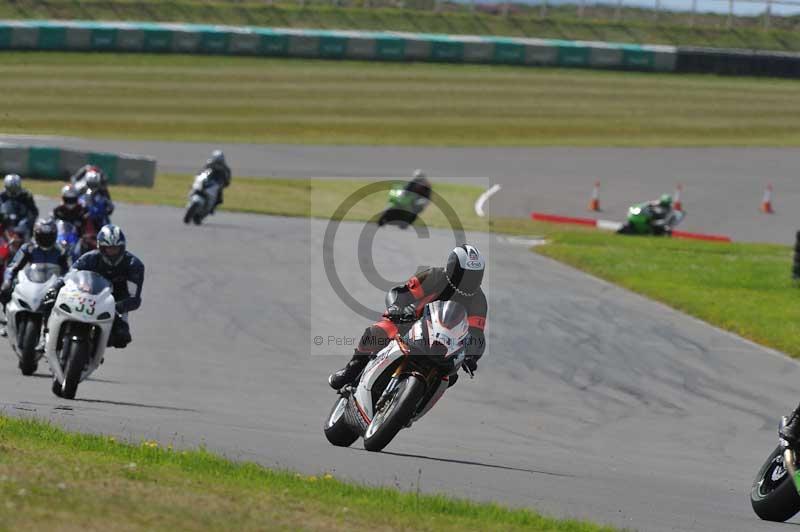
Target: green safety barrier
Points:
(384, 46)
(51, 162)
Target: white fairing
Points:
(86, 297)
(443, 322)
(204, 190)
(372, 372)
(32, 284)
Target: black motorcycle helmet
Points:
(69, 196)
(44, 233)
(464, 270)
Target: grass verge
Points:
(49, 477)
(634, 25)
(344, 102)
(744, 288)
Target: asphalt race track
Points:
(723, 186)
(591, 402)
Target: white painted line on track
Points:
(608, 225)
(529, 242)
(483, 198)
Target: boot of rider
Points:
(349, 373)
(791, 432)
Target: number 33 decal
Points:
(85, 305)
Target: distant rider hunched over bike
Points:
(460, 281)
(13, 192)
(220, 173)
(122, 269)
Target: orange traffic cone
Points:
(676, 200)
(766, 202)
(594, 203)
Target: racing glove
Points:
(398, 314)
(49, 298)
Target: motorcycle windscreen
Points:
(447, 326)
(87, 282)
(41, 272)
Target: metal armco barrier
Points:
(48, 162)
(278, 42)
(386, 46)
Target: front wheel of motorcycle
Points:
(337, 430)
(78, 358)
(395, 413)
(191, 211)
(29, 336)
(774, 496)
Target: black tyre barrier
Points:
(738, 62)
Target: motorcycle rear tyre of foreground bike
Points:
(779, 504)
(409, 391)
(78, 357)
(337, 430)
(27, 347)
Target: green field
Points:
(294, 101)
(54, 480)
(744, 288)
(635, 26)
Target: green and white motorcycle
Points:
(645, 219)
(406, 202)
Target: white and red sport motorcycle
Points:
(404, 380)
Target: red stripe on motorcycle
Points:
(363, 414)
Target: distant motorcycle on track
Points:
(406, 202)
(404, 380)
(642, 220)
(202, 198)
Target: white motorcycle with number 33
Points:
(78, 330)
(404, 380)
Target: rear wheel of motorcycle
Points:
(29, 337)
(395, 413)
(78, 358)
(337, 430)
(774, 496)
